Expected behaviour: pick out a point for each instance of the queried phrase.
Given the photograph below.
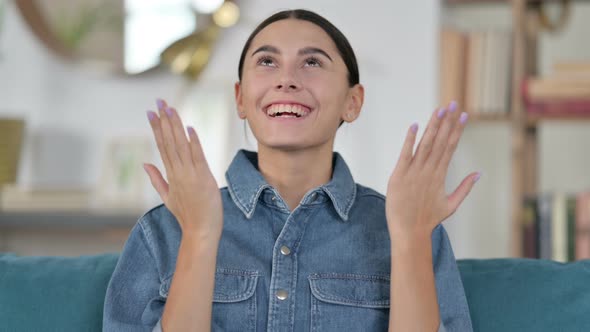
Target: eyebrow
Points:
(303, 51)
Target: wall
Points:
(395, 46)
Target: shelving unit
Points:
(524, 140)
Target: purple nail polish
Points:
(414, 128)
(160, 103)
(463, 118)
(190, 130)
(453, 106)
(169, 111)
(441, 112)
(151, 115)
(477, 177)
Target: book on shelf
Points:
(475, 69)
(452, 66)
(582, 235)
(556, 226)
(530, 227)
(563, 93)
(575, 68)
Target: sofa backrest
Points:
(53, 293)
(527, 294)
(67, 294)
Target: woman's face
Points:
(294, 90)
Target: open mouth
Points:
(287, 111)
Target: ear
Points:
(239, 103)
(356, 97)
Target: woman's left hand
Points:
(416, 200)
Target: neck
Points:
(294, 173)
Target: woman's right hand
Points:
(191, 193)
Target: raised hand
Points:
(191, 193)
(416, 200)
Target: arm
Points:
(413, 294)
(416, 204)
(133, 301)
(192, 196)
(190, 299)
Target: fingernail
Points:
(414, 128)
(453, 106)
(477, 177)
(463, 118)
(145, 167)
(190, 130)
(169, 111)
(160, 103)
(441, 112)
(151, 115)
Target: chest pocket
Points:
(349, 302)
(234, 302)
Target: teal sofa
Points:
(66, 294)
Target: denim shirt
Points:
(325, 266)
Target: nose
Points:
(287, 86)
(288, 82)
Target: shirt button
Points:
(282, 294)
(285, 250)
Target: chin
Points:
(285, 145)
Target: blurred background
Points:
(76, 78)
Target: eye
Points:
(313, 62)
(266, 61)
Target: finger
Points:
(456, 198)
(425, 145)
(407, 153)
(443, 165)
(447, 126)
(156, 128)
(157, 181)
(167, 135)
(196, 148)
(182, 144)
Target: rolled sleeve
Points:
(453, 307)
(158, 327)
(133, 301)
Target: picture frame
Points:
(122, 181)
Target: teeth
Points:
(282, 108)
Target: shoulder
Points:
(157, 221)
(369, 205)
(367, 197)
(365, 193)
(161, 234)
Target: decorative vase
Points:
(11, 139)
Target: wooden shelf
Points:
(69, 219)
(524, 145)
(476, 2)
(533, 119)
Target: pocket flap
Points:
(371, 291)
(231, 285)
(234, 285)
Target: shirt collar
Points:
(246, 184)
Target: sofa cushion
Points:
(53, 293)
(527, 294)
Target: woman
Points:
(293, 243)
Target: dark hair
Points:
(339, 39)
